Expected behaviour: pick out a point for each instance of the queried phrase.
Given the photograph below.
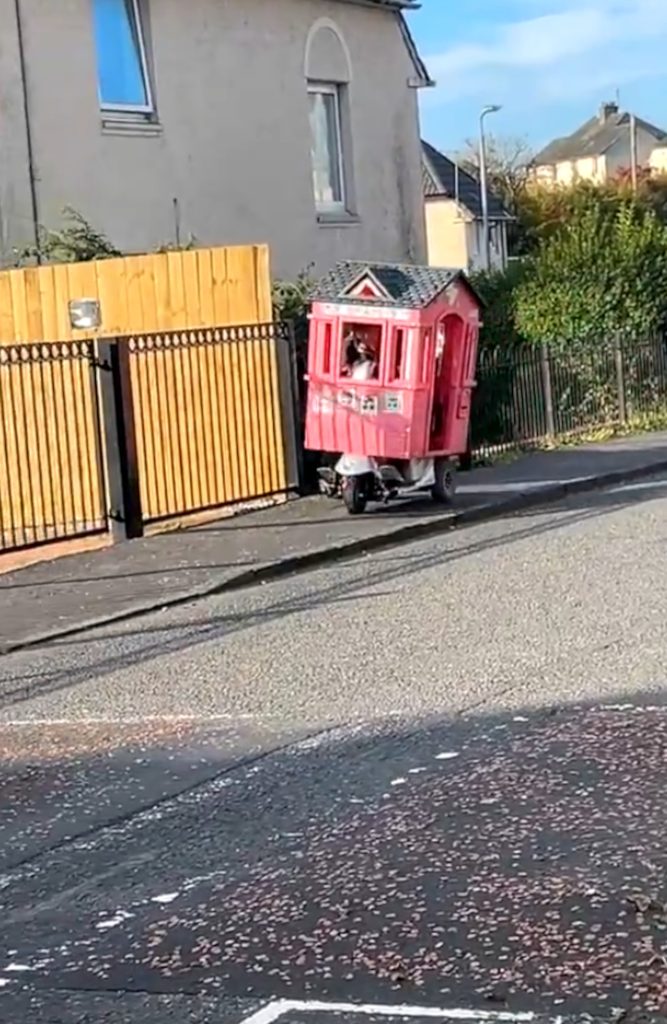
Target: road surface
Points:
(426, 784)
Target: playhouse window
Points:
(361, 341)
(397, 370)
(326, 349)
(472, 354)
(426, 355)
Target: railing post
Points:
(119, 437)
(292, 410)
(620, 380)
(548, 391)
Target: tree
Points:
(497, 290)
(507, 163)
(543, 210)
(600, 276)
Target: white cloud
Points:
(556, 47)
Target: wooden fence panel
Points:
(156, 293)
(51, 476)
(208, 420)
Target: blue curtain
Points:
(119, 66)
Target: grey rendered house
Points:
(292, 122)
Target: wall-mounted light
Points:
(85, 314)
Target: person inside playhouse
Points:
(361, 359)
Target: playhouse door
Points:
(447, 389)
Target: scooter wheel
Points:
(354, 495)
(444, 488)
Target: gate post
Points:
(290, 405)
(548, 392)
(119, 437)
(620, 380)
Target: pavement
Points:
(425, 784)
(54, 599)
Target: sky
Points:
(550, 63)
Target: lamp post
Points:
(492, 108)
(633, 152)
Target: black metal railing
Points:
(527, 396)
(51, 477)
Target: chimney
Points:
(607, 110)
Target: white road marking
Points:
(647, 485)
(165, 897)
(275, 1010)
(113, 922)
(121, 720)
(447, 755)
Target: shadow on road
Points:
(152, 639)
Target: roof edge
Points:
(395, 5)
(423, 79)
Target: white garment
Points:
(363, 371)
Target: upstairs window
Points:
(122, 71)
(326, 146)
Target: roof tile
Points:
(409, 287)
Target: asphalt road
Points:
(431, 779)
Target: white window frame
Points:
(332, 89)
(132, 108)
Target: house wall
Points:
(16, 219)
(233, 143)
(447, 234)
(619, 157)
(456, 239)
(658, 160)
(567, 172)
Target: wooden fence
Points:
(208, 406)
(208, 415)
(161, 292)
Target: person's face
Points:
(364, 346)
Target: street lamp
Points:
(492, 108)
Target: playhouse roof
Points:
(404, 285)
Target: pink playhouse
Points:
(419, 327)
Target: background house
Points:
(293, 122)
(658, 160)
(598, 150)
(454, 227)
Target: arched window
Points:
(328, 74)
